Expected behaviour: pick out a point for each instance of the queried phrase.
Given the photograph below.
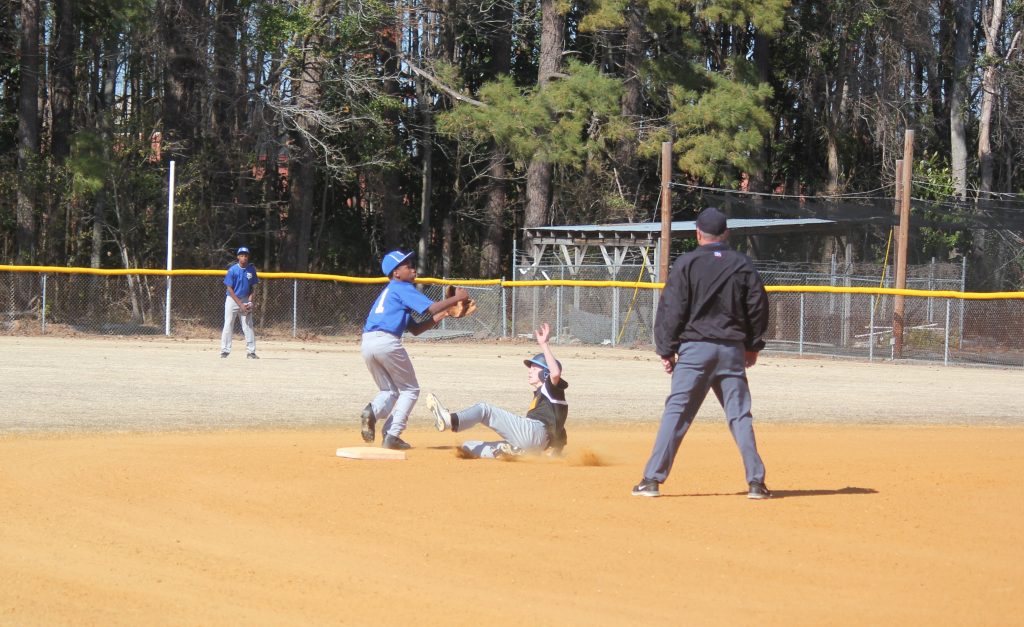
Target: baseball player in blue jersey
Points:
(384, 354)
(239, 283)
(543, 427)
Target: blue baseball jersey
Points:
(392, 311)
(241, 279)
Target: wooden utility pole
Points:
(906, 176)
(666, 210)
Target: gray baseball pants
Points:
(231, 311)
(524, 433)
(701, 366)
(391, 368)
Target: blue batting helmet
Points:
(539, 360)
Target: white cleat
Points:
(442, 418)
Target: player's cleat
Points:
(223, 355)
(251, 356)
(395, 443)
(647, 487)
(507, 450)
(758, 490)
(368, 423)
(442, 417)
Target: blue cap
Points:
(242, 250)
(392, 260)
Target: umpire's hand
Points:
(669, 363)
(750, 358)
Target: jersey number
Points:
(380, 301)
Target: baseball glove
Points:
(462, 308)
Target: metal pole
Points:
(515, 276)
(931, 287)
(963, 288)
(42, 312)
(945, 352)
(832, 283)
(558, 307)
(871, 331)
(800, 343)
(295, 307)
(170, 249)
(615, 314)
(504, 304)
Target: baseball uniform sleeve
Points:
(673, 310)
(757, 311)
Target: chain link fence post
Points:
(871, 331)
(42, 310)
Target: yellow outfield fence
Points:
(948, 326)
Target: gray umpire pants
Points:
(391, 368)
(231, 311)
(701, 366)
(521, 432)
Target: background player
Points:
(240, 282)
(711, 320)
(384, 354)
(543, 427)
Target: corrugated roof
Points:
(684, 226)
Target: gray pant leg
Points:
(733, 393)
(248, 332)
(519, 431)
(389, 364)
(691, 380)
(230, 311)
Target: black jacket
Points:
(712, 293)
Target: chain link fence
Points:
(858, 325)
(58, 303)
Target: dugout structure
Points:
(619, 252)
(639, 244)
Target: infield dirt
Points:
(150, 482)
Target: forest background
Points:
(322, 133)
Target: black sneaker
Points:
(369, 423)
(223, 355)
(395, 443)
(251, 356)
(647, 487)
(758, 490)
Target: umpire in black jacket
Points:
(712, 317)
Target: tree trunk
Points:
(630, 106)
(387, 184)
(183, 78)
(989, 88)
(425, 105)
(959, 105)
(308, 74)
(497, 184)
(28, 132)
(538, 175)
(224, 121)
(63, 79)
(494, 217)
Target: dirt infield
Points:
(150, 482)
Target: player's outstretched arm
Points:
(460, 295)
(543, 334)
(424, 325)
